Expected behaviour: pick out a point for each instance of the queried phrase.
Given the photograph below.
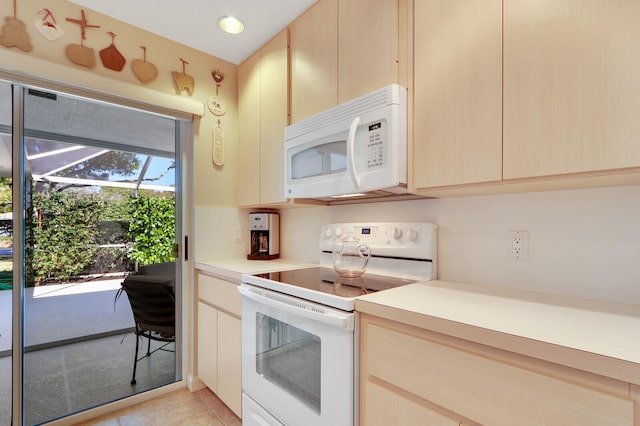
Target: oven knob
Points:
(338, 231)
(397, 233)
(328, 232)
(413, 234)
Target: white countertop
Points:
(609, 330)
(234, 268)
(600, 337)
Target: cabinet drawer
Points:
(483, 389)
(385, 407)
(220, 293)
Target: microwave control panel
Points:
(376, 144)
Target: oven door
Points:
(297, 358)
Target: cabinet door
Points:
(314, 60)
(383, 407)
(457, 136)
(249, 131)
(571, 86)
(480, 387)
(220, 293)
(230, 361)
(208, 345)
(274, 103)
(368, 46)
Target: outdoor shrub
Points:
(152, 229)
(106, 260)
(63, 227)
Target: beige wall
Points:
(214, 186)
(216, 233)
(584, 243)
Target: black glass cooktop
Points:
(327, 280)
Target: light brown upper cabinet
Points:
(314, 60)
(571, 87)
(371, 36)
(518, 96)
(262, 116)
(457, 136)
(344, 49)
(249, 131)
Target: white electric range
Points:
(299, 327)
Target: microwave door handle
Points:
(351, 146)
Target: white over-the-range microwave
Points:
(358, 147)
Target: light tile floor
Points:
(181, 407)
(78, 375)
(66, 379)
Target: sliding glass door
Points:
(100, 193)
(6, 252)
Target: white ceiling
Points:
(194, 22)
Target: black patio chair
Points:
(153, 305)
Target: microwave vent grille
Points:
(347, 111)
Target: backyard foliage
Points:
(63, 229)
(152, 229)
(5, 206)
(66, 230)
(5, 194)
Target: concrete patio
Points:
(79, 351)
(65, 313)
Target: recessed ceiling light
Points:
(231, 25)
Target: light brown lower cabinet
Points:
(219, 339)
(425, 378)
(388, 406)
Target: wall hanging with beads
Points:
(218, 108)
(183, 80)
(14, 32)
(80, 54)
(217, 150)
(215, 103)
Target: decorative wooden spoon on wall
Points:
(110, 56)
(14, 33)
(145, 71)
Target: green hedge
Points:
(152, 229)
(65, 229)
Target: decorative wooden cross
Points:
(83, 26)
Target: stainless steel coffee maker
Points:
(265, 236)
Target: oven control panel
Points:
(392, 239)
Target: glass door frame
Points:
(184, 136)
(18, 229)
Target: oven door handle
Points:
(300, 307)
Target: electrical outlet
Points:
(237, 234)
(519, 245)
